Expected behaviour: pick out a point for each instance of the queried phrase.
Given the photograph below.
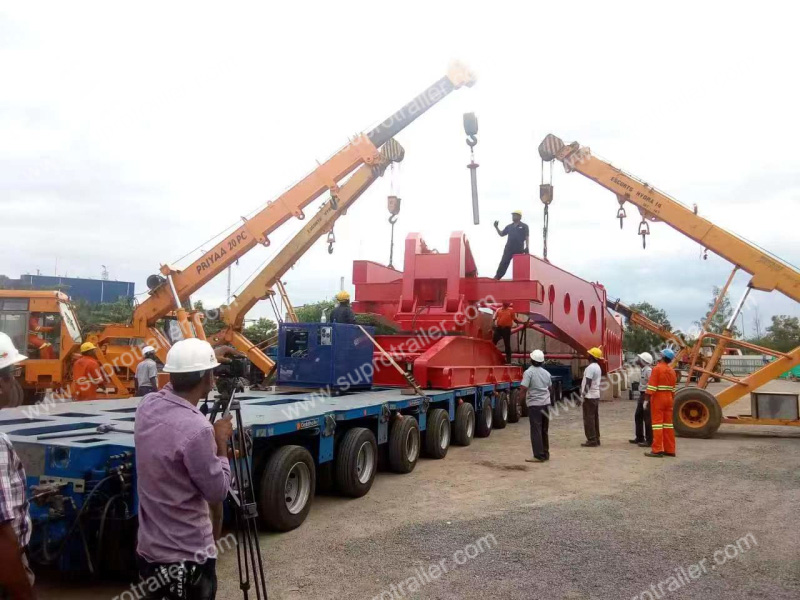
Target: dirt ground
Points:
(592, 523)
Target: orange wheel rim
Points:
(695, 414)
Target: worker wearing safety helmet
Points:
(517, 243)
(343, 313)
(16, 577)
(661, 391)
(535, 386)
(181, 467)
(11, 395)
(146, 379)
(642, 426)
(87, 374)
(590, 395)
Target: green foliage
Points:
(721, 317)
(93, 317)
(212, 323)
(783, 334)
(312, 313)
(637, 339)
(260, 331)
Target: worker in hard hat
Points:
(146, 380)
(11, 395)
(517, 242)
(643, 428)
(661, 390)
(16, 577)
(36, 341)
(590, 395)
(343, 313)
(87, 374)
(181, 467)
(504, 319)
(536, 384)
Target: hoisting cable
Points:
(393, 204)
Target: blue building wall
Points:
(91, 290)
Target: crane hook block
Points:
(546, 193)
(470, 125)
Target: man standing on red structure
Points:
(661, 389)
(504, 320)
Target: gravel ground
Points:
(591, 523)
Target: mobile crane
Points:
(170, 290)
(697, 412)
(261, 286)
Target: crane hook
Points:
(331, 241)
(644, 231)
(621, 212)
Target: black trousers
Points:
(506, 260)
(538, 417)
(591, 420)
(197, 582)
(503, 333)
(643, 424)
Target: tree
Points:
(260, 331)
(721, 317)
(92, 317)
(783, 334)
(637, 339)
(213, 322)
(312, 313)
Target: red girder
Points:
(441, 294)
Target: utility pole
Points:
(228, 295)
(341, 283)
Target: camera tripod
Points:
(243, 501)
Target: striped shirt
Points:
(13, 503)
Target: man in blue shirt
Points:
(517, 243)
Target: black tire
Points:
(437, 433)
(404, 444)
(514, 409)
(696, 413)
(484, 421)
(356, 462)
(286, 489)
(464, 425)
(500, 412)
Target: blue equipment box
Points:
(333, 356)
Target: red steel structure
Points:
(445, 310)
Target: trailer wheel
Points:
(500, 413)
(437, 433)
(483, 427)
(287, 488)
(514, 409)
(404, 444)
(464, 424)
(696, 413)
(356, 462)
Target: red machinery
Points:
(446, 311)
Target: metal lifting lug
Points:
(644, 231)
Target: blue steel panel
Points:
(91, 290)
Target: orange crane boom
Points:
(697, 412)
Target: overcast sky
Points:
(130, 134)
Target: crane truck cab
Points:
(43, 323)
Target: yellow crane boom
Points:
(697, 412)
(261, 286)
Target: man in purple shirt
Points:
(181, 467)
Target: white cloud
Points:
(128, 137)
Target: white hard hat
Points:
(646, 358)
(8, 352)
(147, 350)
(190, 356)
(537, 356)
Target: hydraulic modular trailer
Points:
(80, 458)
